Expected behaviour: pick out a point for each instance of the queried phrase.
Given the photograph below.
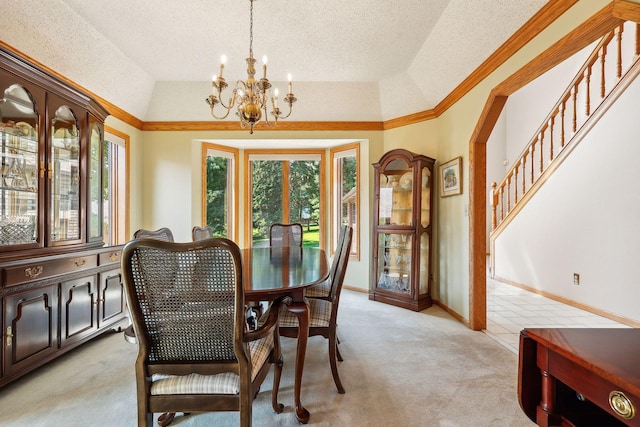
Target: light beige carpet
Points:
(400, 369)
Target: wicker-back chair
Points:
(163, 234)
(323, 312)
(201, 232)
(285, 234)
(323, 290)
(195, 353)
(160, 234)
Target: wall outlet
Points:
(576, 279)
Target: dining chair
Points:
(201, 232)
(195, 353)
(164, 234)
(323, 290)
(323, 312)
(285, 234)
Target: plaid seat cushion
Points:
(319, 315)
(260, 350)
(225, 383)
(318, 291)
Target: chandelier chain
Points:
(251, 30)
(252, 96)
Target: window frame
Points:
(336, 154)
(121, 209)
(232, 154)
(283, 155)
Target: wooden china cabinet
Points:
(59, 284)
(403, 217)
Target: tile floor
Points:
(510, 309)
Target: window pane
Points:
(219, 204)
(266, 189)
(304, 198)
(345, 197)
(114, 194)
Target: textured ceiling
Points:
(355, 60)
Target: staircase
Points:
(609, 69)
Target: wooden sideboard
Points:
(59, 286)
(580, 377)
(53, 304)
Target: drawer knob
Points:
(621, 405)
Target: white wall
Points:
(585, 220)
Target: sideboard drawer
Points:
(23, 273)
(110, 257)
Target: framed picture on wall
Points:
(451, 177)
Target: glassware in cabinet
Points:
(18, 167)
(65, 176)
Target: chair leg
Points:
(246, 410)
(166, 418)
(333, 359)
(340, 359)
(277, 407)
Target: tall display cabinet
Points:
(403, 218)
(59, 284)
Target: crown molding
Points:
(281, 126)
(543, 18)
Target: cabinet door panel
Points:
(78, 316)
(20, 158)
(65, 169)
(31, 320)
(112, 296)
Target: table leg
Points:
(301, 311)
(546, 409)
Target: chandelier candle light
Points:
(251, 96)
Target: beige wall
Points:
(166, 184)
(165, 174)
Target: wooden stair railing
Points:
(563, 127)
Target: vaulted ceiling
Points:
(361, 60)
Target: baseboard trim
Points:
(355, 289)
(572, 303)
(451, 312)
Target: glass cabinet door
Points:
(64, 169)
(394, 261)
(95, 184)
(396, 194)
(424, 263)
(19, 167)
(425, 197)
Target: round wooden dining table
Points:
(272, 272)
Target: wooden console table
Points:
(580, 377)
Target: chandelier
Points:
(251, 96)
